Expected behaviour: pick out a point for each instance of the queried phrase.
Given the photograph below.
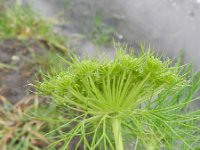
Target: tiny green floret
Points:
(125, 100)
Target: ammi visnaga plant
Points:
(131, 102)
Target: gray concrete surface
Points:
(167, 25)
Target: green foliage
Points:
(113, 104)
(20, 22)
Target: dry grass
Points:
(17, 130)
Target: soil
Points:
(21, 57)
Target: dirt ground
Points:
(20, 65)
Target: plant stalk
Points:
(116, 126)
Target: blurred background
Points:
(166, 25)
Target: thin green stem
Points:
(116, 125)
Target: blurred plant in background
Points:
(20, 22)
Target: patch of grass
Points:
(131, 100)
(17, 130)
(22, 23)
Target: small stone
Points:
(15, 58)
(120, 36)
